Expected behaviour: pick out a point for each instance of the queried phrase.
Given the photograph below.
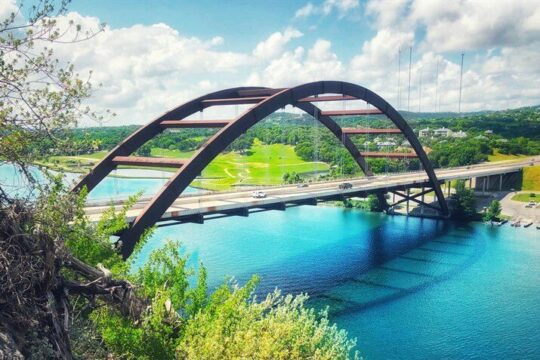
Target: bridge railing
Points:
(509, 163)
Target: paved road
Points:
(518, 209)
(215, 202)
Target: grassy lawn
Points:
(157, 152)
(531, 178)
(526, 197)
(263, 165)
(501, 157)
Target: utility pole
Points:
(399, 79)
(409, 94)
(460, 83)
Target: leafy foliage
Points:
(371, 203)
(185, 322)
(493, 211)
(509, 124)
(459, 152)
(291, 178)
(235, 326)
(464, 202)
(39, 96)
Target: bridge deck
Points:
(229, 201)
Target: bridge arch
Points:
(267, 101)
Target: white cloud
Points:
(305, 11)
(478, 24)
(274, 44)
(377, 61)
(9, 8)
(342, 7)
(462, 24)
(148, 69)
(501, 42)
(295, 67)
(388, 13)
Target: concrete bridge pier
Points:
(499, 182)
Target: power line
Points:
(460, 83)
(409, 94)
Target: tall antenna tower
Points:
(399, 79)
(409, 94)
(437, 108)
(420, 92)
(460, 83)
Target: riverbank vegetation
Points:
(67, 292)
(493, 211)
(463, 203)
(371, 203)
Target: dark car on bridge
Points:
(345, 186)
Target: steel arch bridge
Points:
(265, 102)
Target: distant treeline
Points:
(511, 132)
(523, 122)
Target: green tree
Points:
(493, 211)
(464, 202)
(39, 96)
(145, 150)
(279, 327)
(373, 203)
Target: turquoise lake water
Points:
(110, 187)
(406, 288)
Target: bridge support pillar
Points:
(449, 188)
(408, 195)
(499, 182)
(422, 199)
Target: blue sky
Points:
(244, 23)
(241, 23)
(155, 55)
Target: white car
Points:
(258, 194)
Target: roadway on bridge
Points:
(229, 201)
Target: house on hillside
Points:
(459, 134)
(424, 132)
(442, 132)
(381, 144)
